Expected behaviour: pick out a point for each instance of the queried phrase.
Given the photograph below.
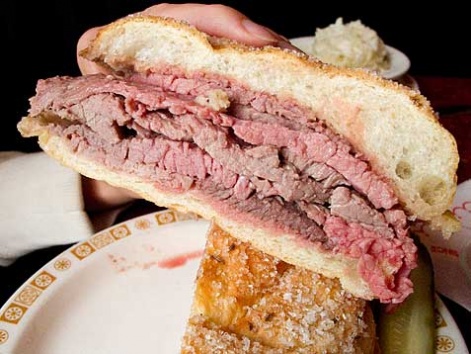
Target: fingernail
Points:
(287, 45)
(259, 31)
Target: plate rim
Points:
(163, 217)
(10, 326)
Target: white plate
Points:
(408, 80)
(400, 63)
(126, 290)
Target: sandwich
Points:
(246, 301)
(324, 168)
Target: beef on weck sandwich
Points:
(322, 167)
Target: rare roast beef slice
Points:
(251, 156)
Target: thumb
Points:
(87, 66)
(215, 20)
(218, 20)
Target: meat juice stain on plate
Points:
(122, 265)
(180, 260)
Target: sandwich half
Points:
(246, 301)
(322, 167)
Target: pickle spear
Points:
(410, 328)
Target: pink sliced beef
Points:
(262, 160)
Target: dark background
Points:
(41, 38)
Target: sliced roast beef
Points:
(253, 158)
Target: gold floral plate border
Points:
(449, 339)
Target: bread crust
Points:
(246, 301)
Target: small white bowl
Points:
(400, 63)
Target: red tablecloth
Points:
(451, 98)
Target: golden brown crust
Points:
(247, 299)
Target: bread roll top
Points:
(393, 126)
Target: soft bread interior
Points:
(246, 301)
(393, 126)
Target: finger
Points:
(87, 66)
(218, 20)
(100, 196)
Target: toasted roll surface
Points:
(246, 301)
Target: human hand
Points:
(100, 196)
(216, 20)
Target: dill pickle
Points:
(410, 328)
